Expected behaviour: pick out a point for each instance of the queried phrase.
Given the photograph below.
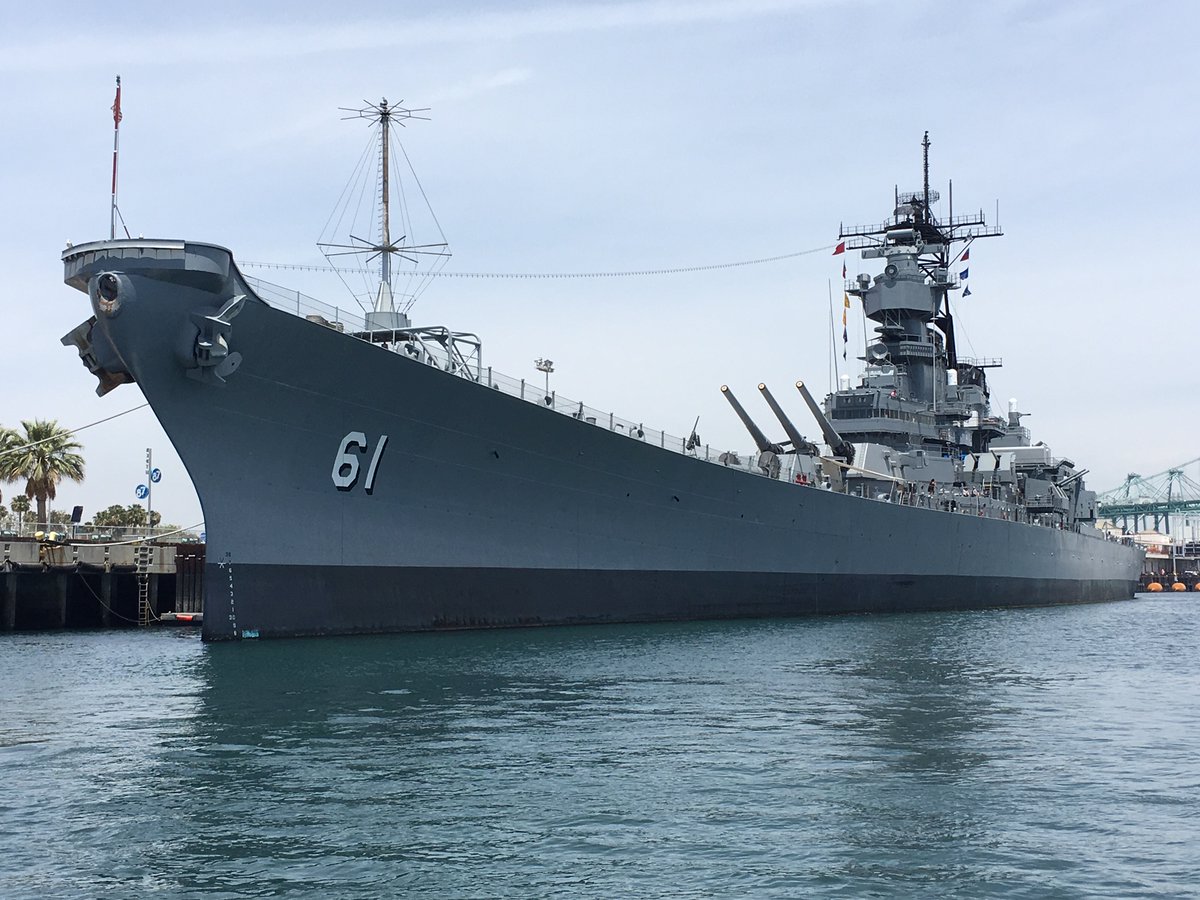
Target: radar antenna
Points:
(925, 149)
(384, 246)
(913, 222)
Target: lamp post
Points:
(149, 486)
(545, 366)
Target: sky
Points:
(574, 137)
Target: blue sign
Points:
(142, 492)
(156, 475)
(204, 535)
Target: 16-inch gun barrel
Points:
(760, 439)
(839, 445)
(799, 444)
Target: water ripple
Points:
(1028, 753)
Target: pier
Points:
(54, 584)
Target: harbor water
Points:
(1040, 753)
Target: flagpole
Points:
(838, 251)
(864, 328)
(832, 342)
(116, 111)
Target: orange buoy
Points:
(1197, 587)
(1154, 587)
(1179, 586)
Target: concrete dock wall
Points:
(61, 585)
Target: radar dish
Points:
(912, 197)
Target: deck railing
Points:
(433, 353)
(14, 528)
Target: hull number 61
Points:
(346, 462)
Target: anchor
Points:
(214, 360)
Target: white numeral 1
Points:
(370, 482)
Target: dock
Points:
(60, 584)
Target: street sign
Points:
(156, 475)
(142, 491)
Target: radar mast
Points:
(389, 305)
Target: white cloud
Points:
(244, 42)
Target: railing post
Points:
(662, 439)
(610, 421)
(490, 382)
(297, 303)
(522, 388)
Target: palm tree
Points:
(9, 440)
(20, 505)
(43, 456)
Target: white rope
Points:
(139, 540)
(73, 430)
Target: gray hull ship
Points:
(371, 476)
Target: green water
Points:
(1027, 753)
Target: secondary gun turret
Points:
(839, 445)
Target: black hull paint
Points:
(289, 601)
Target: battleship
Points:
(361, 474)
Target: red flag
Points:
(966, 254)
(116, 107)
(840, 248)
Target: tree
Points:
(44, 458)
(114, 515)
(20, 505)
(9, 442)
(132, 515)
(60, 517)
